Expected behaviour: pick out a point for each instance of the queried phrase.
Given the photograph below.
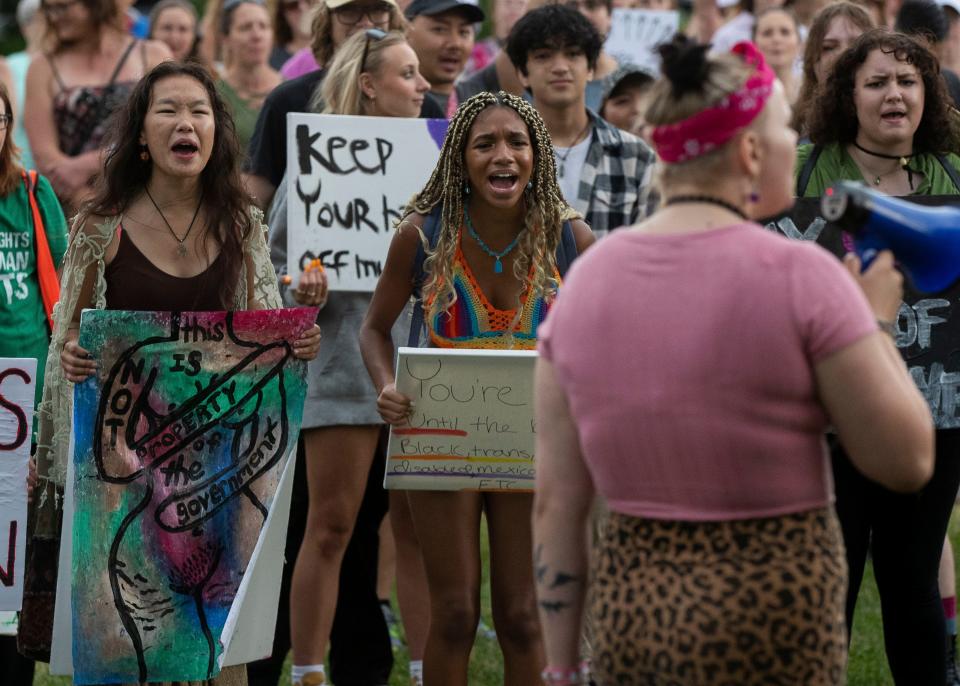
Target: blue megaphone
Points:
(924, 240)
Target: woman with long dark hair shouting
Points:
(169, 229)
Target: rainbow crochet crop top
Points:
(473, 322)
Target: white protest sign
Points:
(348, 181)
(17, 385)
(635, 35)
(472, 427)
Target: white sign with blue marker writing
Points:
(472, 425)
(350, 178)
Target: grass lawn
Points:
(868, 665)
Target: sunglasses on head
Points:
(371, 35)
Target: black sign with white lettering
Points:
(928, 325)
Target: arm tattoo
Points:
(550, 606)
(562, 579)
(542, 572)
(539, 570)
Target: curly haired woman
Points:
(883, 117)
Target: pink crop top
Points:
(688, 364)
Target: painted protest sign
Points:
(928, 325)
(473, 424)
(17, 382)
(635, 35)
(181, 443)
(349, 178)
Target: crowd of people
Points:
(732, 429)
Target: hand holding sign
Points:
(76, 362)
(312, 288)
(394, 406)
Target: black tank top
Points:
(135, 283)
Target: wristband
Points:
(889, 328)
(565, 676)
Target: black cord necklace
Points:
(710, 200)
(562, 159)
(181, 248)
(903, 160)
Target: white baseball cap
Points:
(952, 4)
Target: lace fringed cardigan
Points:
(88, 246)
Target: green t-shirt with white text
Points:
(22, 318)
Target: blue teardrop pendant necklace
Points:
(497, 265)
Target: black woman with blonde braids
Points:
(501, 237)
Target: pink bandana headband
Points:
(714, 126)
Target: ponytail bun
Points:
(684, 64)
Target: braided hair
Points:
(546, 209)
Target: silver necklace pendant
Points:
(181, 250)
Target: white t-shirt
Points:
(569, 167)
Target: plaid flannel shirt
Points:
(615, 182)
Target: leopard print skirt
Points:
(757, 601)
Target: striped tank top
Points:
(473, 322)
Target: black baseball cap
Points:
(430, 8)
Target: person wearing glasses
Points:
(346, 14)
(333, 22)
(23, 319)
(248, 78)
(88, 72)
(374, 73)
(291, 30)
